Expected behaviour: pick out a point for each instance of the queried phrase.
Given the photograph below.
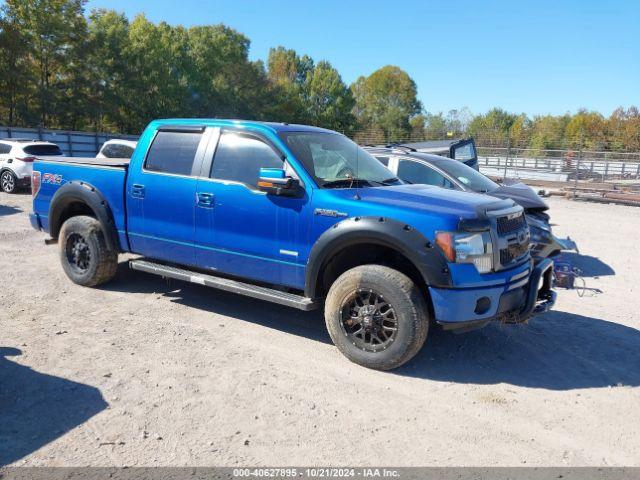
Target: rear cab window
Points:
(173, 152)
(42, 150)
(116, 150)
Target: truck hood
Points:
(427, 198)
(523, 195)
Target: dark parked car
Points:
(421, 168)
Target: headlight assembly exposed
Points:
(475, 248)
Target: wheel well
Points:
(73, 209)
(363, 254)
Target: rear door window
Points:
(420, 173)
(173, 152)
(42, 150)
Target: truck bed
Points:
(90, 161)
(107, 175)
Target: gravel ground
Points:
(145, 372)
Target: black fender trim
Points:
(87, 194)
(405, 239)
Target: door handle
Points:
(205, 200)
(137, 190)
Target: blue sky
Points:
(536, 57)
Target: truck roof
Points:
(275, 127)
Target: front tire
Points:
(84, 254)
(376, 316)
(8, 181)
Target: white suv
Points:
(16, 160)
(117, 148)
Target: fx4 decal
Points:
(52, 178)
(329, 213)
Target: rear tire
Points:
(84, 254)
(376, 316)
(8, 181)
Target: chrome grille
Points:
(508, 225)
(512, 252)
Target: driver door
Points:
(241, 230)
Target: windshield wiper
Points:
(349, 182)
(387, 181)
(339, 182)
(359, 181)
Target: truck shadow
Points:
(36, 408)
(6, 210)
(555, 351)
(304, 324)
(589, 266)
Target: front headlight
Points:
(475, 248)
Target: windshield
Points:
(469, 177)
(335, 161)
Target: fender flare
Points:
(72, 192)
(399, 236)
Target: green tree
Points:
(435, 126)
(493, 127)
(520, 131)
(308, 93)
(623, 127)
(547, 132)
(387, 99)
(109, 70)
(54, 31)
(586, 130)
(418, 128)
(287, 73)
(156, 85)
(221, 80)
(327, 98)
(16, 80)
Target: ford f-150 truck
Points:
(299, 216)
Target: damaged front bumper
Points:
(515, 302)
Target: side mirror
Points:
(273, 181)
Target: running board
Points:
(234, 286)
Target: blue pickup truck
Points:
(300, 216)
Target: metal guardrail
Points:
(73, 144)
(559, 169)
(560, 165)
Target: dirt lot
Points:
(142, 372)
